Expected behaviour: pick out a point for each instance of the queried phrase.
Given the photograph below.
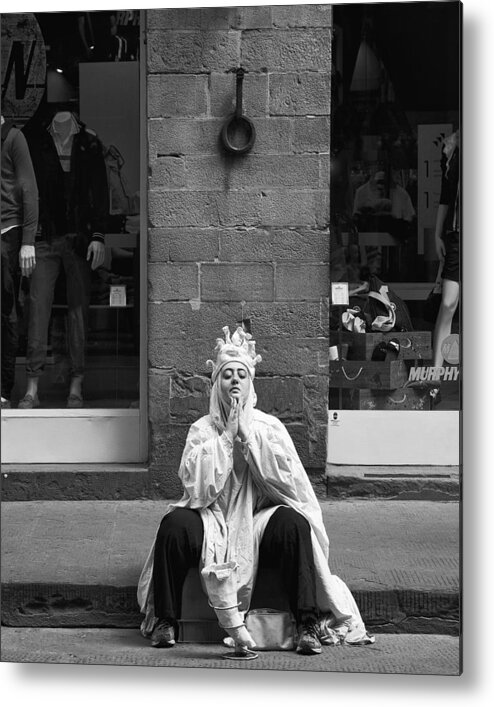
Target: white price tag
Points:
(118, 296)
(339, 293)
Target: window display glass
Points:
(72, 313)
(395, 207)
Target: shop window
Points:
(395, 107)
(75, 322)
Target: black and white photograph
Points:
(232, 338)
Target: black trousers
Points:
(11, 243)
(285, 549)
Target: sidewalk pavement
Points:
(410, 654)
(76, 563)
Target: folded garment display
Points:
(380, 309)
(354, 321)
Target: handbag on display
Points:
(387, 311)
(433, 301)
(379, 310)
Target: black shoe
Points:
(28, 402)
(308, 641)
(163, 635)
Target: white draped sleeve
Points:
(207, 462)
(279, 474)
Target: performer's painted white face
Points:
(234, 382)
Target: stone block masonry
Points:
(238, 238)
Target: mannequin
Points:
(62, 131)
(70, 170)
(19, 219)
(447, 241)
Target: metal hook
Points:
(238, 124)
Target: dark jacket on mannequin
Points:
(76, 201)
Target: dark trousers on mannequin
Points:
(286, 547)
(51, 257)
(11, 243)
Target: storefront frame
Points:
(93, 435)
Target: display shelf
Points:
(379, 375)
(398, 399)
(414, 345)
(364, 384)
(97, 306)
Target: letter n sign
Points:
(23, 66)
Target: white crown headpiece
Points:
(237, 347)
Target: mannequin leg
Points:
(78, 278)
(41, 292)
(9, 330)
(442, 329)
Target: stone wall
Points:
(238, 238)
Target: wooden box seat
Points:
(199, 623)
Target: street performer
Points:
(247, 502)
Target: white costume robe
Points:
(236, 489)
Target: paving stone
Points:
(407, 654)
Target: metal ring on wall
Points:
(233, 126)
(238, 125)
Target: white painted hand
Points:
(232, 422)
(96, 254)
(243, 429)
(27, 260)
